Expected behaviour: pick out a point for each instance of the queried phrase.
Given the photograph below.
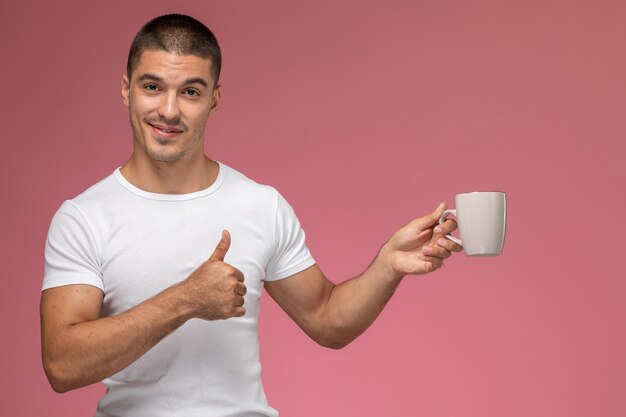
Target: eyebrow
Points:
(152, 77)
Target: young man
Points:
(173, 236)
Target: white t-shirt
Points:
(132, 244)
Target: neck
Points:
(182, 177)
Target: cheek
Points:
(137, 116)
(198, 120)
(140, 104)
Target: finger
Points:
(239, 301)
(429, 220)
(446, 227)
(449, 245)
(436, 252)
(241, 289)
(435, 263)
(239, 312)
(452, 224)
(222, 247)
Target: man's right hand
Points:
(216, 290)
(76, 344)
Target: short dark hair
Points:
(178, 34)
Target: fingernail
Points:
(427, 249)
(437, 229)
(441, 242)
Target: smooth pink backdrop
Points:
(364, 115)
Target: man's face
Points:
(170, 97)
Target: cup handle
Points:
(443, 218)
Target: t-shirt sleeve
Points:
(291, 254)
(71, 253)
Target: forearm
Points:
(354, 304)
(88, 352)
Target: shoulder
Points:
(104, 190)
(95, 202)
(239, 184)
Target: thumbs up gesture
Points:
(215, 290)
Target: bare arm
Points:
(334, 315)
(79, 348)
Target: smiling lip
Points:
(165, 131)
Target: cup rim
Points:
(483, 192)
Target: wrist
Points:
(174, 302)
(384, 265)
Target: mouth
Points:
(165, 131)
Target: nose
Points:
(168, 108)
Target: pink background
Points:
(364, 116)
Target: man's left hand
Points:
(421, 246)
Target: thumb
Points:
(222, 247)
(429, 220)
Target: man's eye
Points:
(192, 92)
(151, 87)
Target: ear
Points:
(215, 100)
(125, 89)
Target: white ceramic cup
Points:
(481, 217)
